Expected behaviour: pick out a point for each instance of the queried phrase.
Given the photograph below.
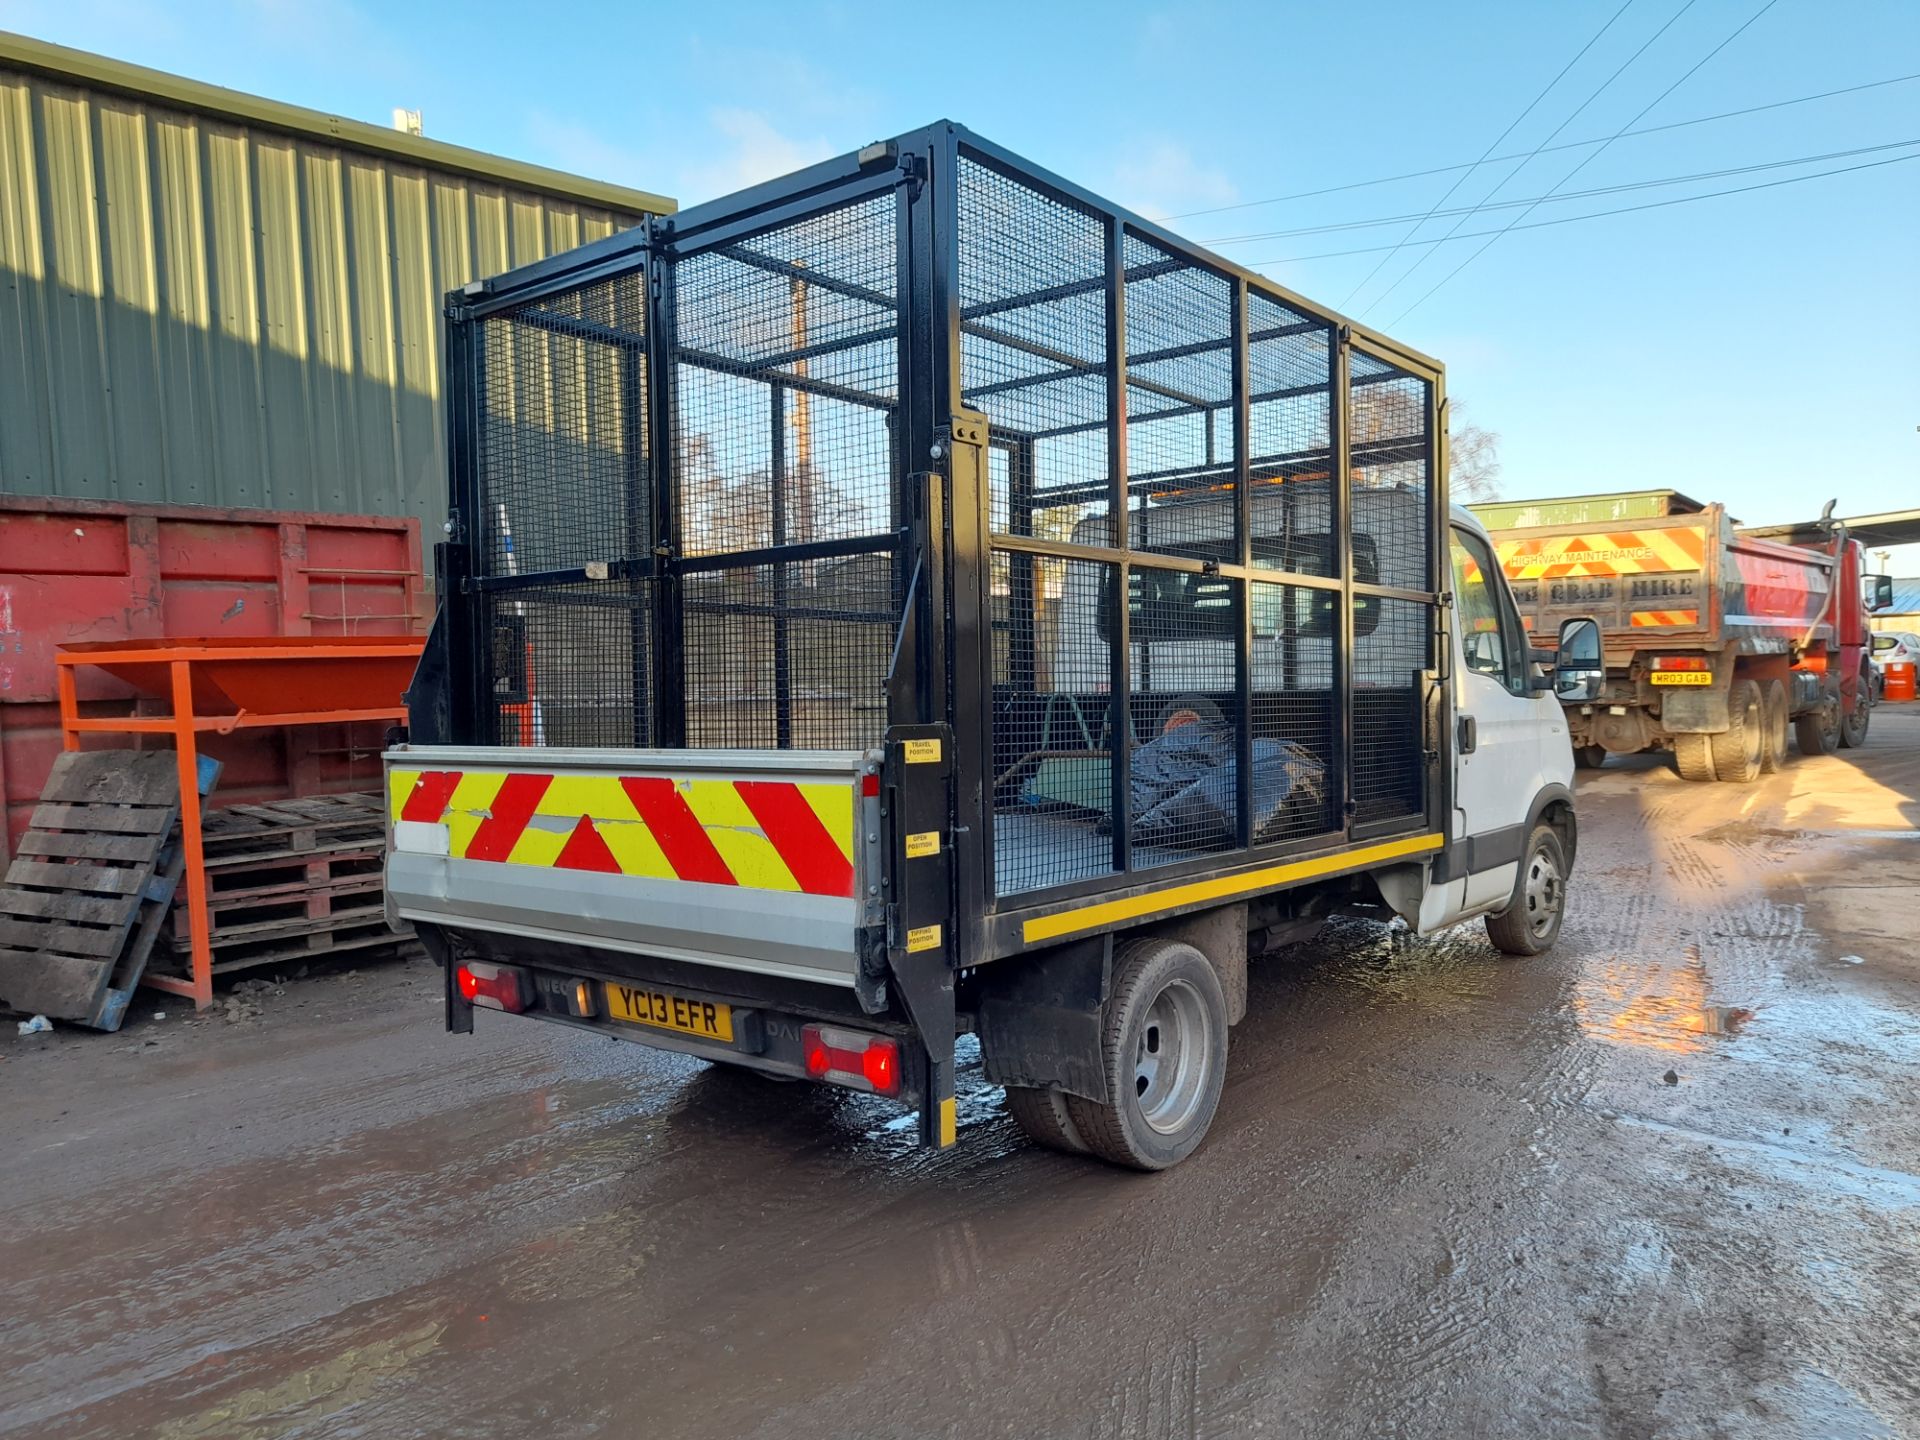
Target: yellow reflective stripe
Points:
(948, 1121)
(736, 834)
(400, 785)
(1669, 549)
(1106, 912)
(833, 805)
(468, 806)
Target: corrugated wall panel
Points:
(198, 311)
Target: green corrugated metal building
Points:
(209, 298)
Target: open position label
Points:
(921, 752)
(927, 842)
(926, 937)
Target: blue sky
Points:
(1762, 348)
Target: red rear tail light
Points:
(851, 1058)
(497, 987)
(1681, 662)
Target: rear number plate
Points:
(709, 1019)
(1682, 677)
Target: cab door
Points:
(1501, 725)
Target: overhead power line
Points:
(1461, 179)
(1601, 214)
(1588, 160)
(1548, 150)
(1620, 189)
(1599, 90)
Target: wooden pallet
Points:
(296, 879)
(82, 902)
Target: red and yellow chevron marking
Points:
(1626, 552)
(1665, 617)
(757, 834)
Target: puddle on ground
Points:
(1655, 1007)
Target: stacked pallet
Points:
(289, 881)
(83, 902)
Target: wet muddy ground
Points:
(1662, 1182)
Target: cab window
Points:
(1489, 630)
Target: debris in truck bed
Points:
(1185, 787)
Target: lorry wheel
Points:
(1531, 922)
(1693, 754)
(1773, 706)
(1853, 725)
(1042, 1114)
(1737, 749)
(1589, 757)
(1818, 731)
(1164, 1047)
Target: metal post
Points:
(186, 752)
(669, 616)
(1119, 535)
(777, 478)
(1243, 494)
(1339, 482)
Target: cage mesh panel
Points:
(1293, 707)
(1288, 384)
(1185, 706)
(570, 665)
(786, 377)
(1389, 773)
(1180, 443)
(1033, 352)
(1051, 746)
(833, 618)
(561, 443)
(1388, 430)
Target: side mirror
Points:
(1579, 670)
(1879, 590)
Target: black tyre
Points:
(1773, 709)
(1817, 732)
(1693, 755)
(1531, 922)
(1189, 710)
(1164, 1047)
(1853, 724)
(1589, 757)
(1043, 1115)
(1737, 750)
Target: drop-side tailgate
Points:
(1640, 576)
(748, 859)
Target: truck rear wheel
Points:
(1042, 1114)
(1693, 754)
(1164, 1047)
(1773, 754)
(1818, 731)
(1589, 757)
(1853, 724)
(1531, 922)
(1737, 750)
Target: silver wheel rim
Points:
(1542, 894)
(1172, 1058)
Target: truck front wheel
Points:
(1531, 922)
(1164, 1048)
(1853, 724)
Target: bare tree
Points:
(1475, 453)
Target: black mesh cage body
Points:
(1185, 618)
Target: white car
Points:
(1895, 647)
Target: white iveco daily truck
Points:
(915, 597)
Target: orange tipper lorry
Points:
(1717, 638)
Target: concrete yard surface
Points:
(1664, 1181)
